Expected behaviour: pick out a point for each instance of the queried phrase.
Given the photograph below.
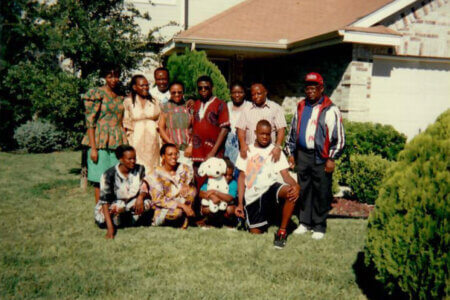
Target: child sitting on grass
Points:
(226, 217)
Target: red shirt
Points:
(207, 129)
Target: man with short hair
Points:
(261, 109)
(259, 184)
(316, 140)
(161, 89)
(210, 127)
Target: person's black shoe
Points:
(241, 225)
(280, 239)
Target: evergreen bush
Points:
(365, 176)
(39, 137)
(189, 66)
(408, 240)
(369, 138)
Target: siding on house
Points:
(183, 13)
(186, 13)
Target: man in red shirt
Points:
(211, 126)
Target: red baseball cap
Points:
(314, 77)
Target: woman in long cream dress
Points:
(141, 123)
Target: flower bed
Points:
(341, 207)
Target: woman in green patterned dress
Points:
(104, 113)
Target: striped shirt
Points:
(252, 114)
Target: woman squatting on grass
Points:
(120, 192)
(170, 188)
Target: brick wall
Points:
(425, 27)
(283, 76)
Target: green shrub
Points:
(38, 137)
(193, 64)
(408, 240)
(369, 138)
(365, 176)
(366, 138)
(51, 95)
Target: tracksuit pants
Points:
(315, 191)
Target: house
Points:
(173, 16)
(385, 61)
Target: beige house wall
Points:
(426, 33)
(183, 13)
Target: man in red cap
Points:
(316, 140)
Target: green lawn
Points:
(51, 248)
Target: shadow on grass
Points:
(40, 189)
(372, 288)
(76, 171)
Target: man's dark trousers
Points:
(315, 191)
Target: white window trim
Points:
(165, 2)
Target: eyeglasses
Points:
(203, 87)
(176, 93)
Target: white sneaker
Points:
(301, 229)
(318, 235)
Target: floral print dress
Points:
(104, 113)
(164, 190)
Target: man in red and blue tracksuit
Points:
(316, 139)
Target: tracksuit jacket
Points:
(329, 137)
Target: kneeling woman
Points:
(171, 190)
(120, 191)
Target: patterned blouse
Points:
(164, 188)
(115, 186)
(178, 123)
(104, 113)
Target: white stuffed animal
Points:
(215, 168)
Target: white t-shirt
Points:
(260, 171)
(162, 97)
(235, 114)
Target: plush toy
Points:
(215, 168)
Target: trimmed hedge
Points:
(365, 176)
(368, 138)
(408, 239)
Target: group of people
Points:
(146, 150)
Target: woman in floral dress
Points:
(104, 114)
(171, 190)
(141, 123)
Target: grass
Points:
(50, 248)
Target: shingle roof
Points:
(269, 21)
